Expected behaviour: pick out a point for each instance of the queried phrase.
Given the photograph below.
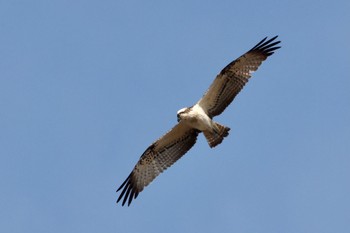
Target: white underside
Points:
(198, 119)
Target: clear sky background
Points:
(87, 86)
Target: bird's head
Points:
(181, 113)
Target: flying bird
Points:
(194, 120)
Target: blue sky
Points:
(86, 86)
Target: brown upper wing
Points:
(234, 76)
(158, 157)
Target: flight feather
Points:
(158, 157)
(231, 80)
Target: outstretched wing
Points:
(158, 157)
(234, 76)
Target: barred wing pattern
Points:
(234, 76)
(157, 157)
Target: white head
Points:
(181, 112)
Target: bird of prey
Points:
(165, 151)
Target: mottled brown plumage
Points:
(158, 157)
(231, 80)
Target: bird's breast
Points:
(198, 120)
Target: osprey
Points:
(165, 151)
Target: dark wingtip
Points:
(258, 44)
(128, 192)
(267, 47)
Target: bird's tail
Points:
(215, 137)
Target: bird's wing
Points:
(234, 76)
(158, 157)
